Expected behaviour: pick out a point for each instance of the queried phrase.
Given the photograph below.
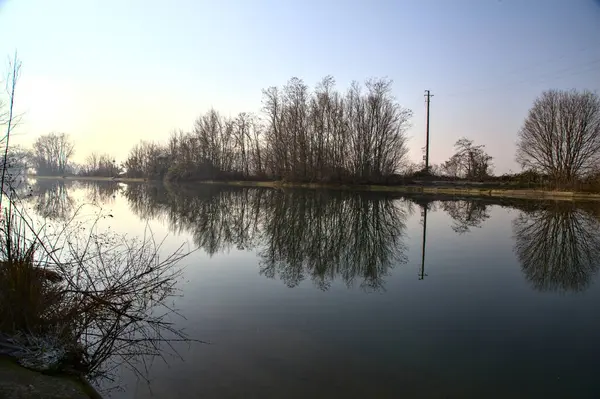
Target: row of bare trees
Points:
(320, 135)
(327, 136)
(330, 136)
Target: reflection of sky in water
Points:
(474, 327)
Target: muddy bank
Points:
(440, 188)
(17, 382)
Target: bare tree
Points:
(146, 159)
(91, 164)
(377, 130)
(469, 161)
(278, 163)
(561, 135)
(329, 133)
(214, 141)
(241, 133)
(295, 94)
(51, 153)
(8, 117)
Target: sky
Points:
(110, 73)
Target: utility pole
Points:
(428, 95)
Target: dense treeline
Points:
(321, 135)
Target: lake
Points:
(312, 293)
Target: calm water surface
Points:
(332, 294)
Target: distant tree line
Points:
(99, 165)
(358, 136)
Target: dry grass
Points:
(27, 297)
(105, 300)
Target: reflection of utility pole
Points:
(424, 212)
(428, 95)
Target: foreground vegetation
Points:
(75, 298)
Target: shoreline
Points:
(93, 178)
(427, 188)
(418, 189)
(18, 381)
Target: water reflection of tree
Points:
(325, 235)
(298, 234)
(147, 201)
(52, 200)
(224, 218)
(466, 214)
(217, 218)
(100, 192)
(558, 246)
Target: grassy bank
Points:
(91, 178)
(417, 188)
(425, 189)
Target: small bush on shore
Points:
(98, 299)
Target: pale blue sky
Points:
(112, 72)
